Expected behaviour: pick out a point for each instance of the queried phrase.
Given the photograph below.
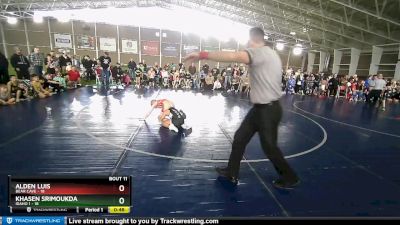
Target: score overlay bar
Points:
(55, 194)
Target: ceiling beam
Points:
(324, 15)
(257, 7)
(351, 6)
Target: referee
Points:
(265, 69)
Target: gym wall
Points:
(42, 36)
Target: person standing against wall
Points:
(65, 61)
(105, 63)
(4, 77)
(21, 64)
(37, 60)
(132, 68)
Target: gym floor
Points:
(347, 155)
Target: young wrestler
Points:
(170, 117)
(5, 98)
(13, 88)
(38, 88)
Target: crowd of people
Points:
(370, 89)
(37, 75)
(176, 76)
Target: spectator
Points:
(105, 62)
(291, 83)
(5, 98)
(228, 77)
(51, 65)
(76, 62)
(215, 71)
(74, 77)
(165, 77)
(323, 87)
(141, 67)
(54, 57)
(132, 68)
(38, 89)
(117, 73)
(37, 60)
(64, 61)
(217, 85)
(245, 83)
(235, 81)
(370, 86)
(54, 85)
(157, 75)
(379, 85)
(152, 75)
(88, 65)
(333, 85)
(196, 81)
(206, 68)
(192, 69)
(4, 78)
(13, 89)
(209, 81)
(144, 66)
(21, 64)
(138, 77)
(61, 80)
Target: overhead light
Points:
(292, 33)
(280, 46)
(37, 19)
(298, 49)
(12, 20)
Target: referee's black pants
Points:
(265, 120)
(375, 94)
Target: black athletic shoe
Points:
(280, 184)
(224, 172)
(187, 132)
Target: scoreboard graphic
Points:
(70, 195)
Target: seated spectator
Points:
(151, 74)
(235, 82)
(165, 77)
(53, 85)
(5, 98)
(175, 80)
(74, 77)
(13, 88)
(127, 78)
(38, 88)
(61, 81)
(323, 88)
(209, 81)
(138, 79)
(217, 85)
(117, 73)
(25, 92)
